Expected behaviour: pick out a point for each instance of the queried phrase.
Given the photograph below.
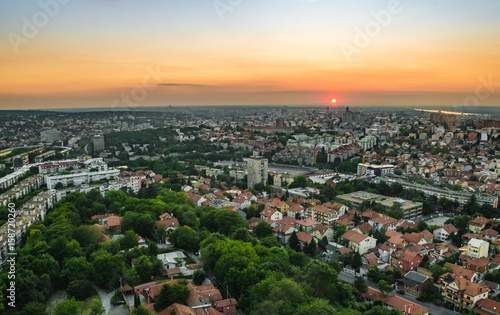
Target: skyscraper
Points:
(257, 171)
(99, 143)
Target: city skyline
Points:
(58, 54)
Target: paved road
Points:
(434, 309)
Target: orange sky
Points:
(72, 62)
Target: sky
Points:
(113, 53)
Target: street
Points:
(434, 309)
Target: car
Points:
(401, 292)
(421, 299)
(196, 253)
(118, 303)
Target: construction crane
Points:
(363, 163)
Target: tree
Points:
(137, 300)
(360, 285)
(384, 287)
(199, 276)
(68, 307)
(242, 234)
(299, 181)
(171, 294)
(185, 237)
(144, 267)
(106, 268)
(34, 308)
(341, 229)
(96, 307)
(129, 240)
(356, 261)
(142, 311)
(263, 229)
(270, 241)
(293, 242)
(79, 289)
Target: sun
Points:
(334, 101)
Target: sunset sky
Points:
(101, 53)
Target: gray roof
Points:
(415, 277)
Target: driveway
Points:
(106, 303)
(434, 309)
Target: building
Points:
(444, 232)
(79, 178)
(257, 171)
(376, 170)
(359, 242)
(477, 248)
(461, 293)
(411, 209)
(476, 225)
(99, 143)
(415, 282)
(409, 261)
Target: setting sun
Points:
(334, 101)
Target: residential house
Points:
(280, 205)
(359, 242)
(227, 306)
(346, 221)
(271, 214)
(295, 211)
(306, 225)
(487, 307)
(114, 223)
(460, 293)
(202, 295)
(304, 238)
(415, 282)
(241, 202)
(477, 224)
(364, 228)
(443, 233)
(477, 248)
(489, 234)
(321, 231)
(409, 260)
(478, 265)
(414, 238)
(383, 222)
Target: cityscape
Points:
(235, 157)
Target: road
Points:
(434, 309)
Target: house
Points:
(114, 223)
(346, 221)
(476, 225)
(428, 236)
(383, 222)
(397, 302)
(444, 232)
(171, 260)
(170, 224)
(462, 272)
(271, 214)
(460, 293)
(359, 242)
(241, 202)
(198, 200)
(415, 282)
(304, 238)
(202, 295)
(477, 248)
(306, 225)
(280, 205)
(478, 265)
(283, 231)
(321, 231)
(179, 309)
(414, 238)
(489, 234)
(409, 261)
(364, 228)
(487, 307)
(227, 306)
(295, 211)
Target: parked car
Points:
(118, 303)
(401, 292)
(421, 299)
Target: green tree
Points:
(144, 268)
(263, 229)
(96, 307)
(360, 285)
(68, 307)
(293, 241)
(129, 240)
(34, 308)
(106, 268)
(242, 234)
(299, 181)
(199, 276)
(356, 261)
(79, 289)
(384, 287)
(340, 230)
(185, 237)
(170, 294)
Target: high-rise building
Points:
(99, 143)
(257, 171)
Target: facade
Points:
(415, 282)
(99, 143)
(444, 232)
(79, 178)
(257, 171)
(477, 248)
(359, 242)
(377, 170)
(411, 209)
(461, 293)
(409, 261)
